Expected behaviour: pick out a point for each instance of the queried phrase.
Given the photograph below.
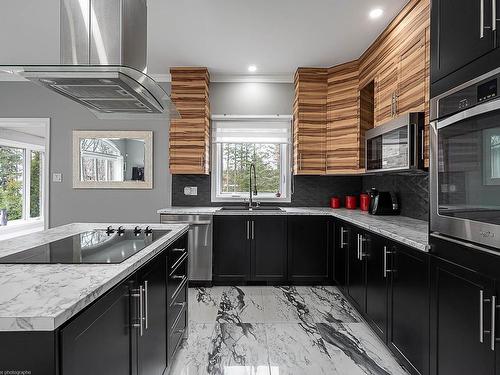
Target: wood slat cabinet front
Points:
(309, 121)
(344, 147)
(189, 135)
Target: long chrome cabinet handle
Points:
(481, 313)
(357, 255)
(141, 311)
(248, 229)
(146, 304)
(385, 262)
(493, 317)
(253, 230)
(481, 19)
(341, 237)
(493, 15)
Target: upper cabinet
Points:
(461, 32)
(386, 85)
(309, 121)
(189, 135)
(344, 147)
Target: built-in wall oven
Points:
(465, 162)
(396, 145)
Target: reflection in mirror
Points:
(113, 159)
(106, 159)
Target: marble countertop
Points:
(411, 232)
(41, 297)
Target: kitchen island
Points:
(47, 310)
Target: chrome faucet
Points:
(254, 190)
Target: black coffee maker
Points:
(383, 202)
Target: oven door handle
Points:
(471, 112)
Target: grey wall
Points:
(251, 98)
(18, 99)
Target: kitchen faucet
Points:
(254, 191)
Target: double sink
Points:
(247, 208)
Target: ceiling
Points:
(224, 35)
(276, 35)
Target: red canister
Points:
(364, 202)
(351, 202)
(335, 202)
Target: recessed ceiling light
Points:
(376, 13)
(252, 68)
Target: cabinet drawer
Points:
(176, 253)
(176, 307)
(177, 333)
(177, 279)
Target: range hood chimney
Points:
(103, 61)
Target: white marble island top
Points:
(41, 297)
(409, 231)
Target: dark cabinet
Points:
(231, 248)
(249, 248)
(309, 249)
(461, 314)
(461, 31)
(152, 337)
(408, 332)
(268, 248)
(375, 255)
(99, 340)
(356, 269)
(341, 251)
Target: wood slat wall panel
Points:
(190, 135)
(343, 153)
(309, 124)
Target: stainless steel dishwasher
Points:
(199, 245)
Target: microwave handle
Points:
(471, 112)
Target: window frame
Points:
(27, 149)
(285, 168)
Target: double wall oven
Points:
(465, 162)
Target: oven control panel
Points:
(469, 96)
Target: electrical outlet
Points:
(190, 190)
(56, 177)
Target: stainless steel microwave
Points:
(397, 145)
(465, 162)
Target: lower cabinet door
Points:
(152, 341)
(308, 249)
(341, 248)
(98, 340)
(460, 343)
(268, 234)
(409, 307)
(376, 283)
(231, 248)
(356, 272)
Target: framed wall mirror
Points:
(112, 159)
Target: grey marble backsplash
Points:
(309, 191)
(315, 191)
(412, 191)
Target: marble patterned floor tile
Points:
(238, 349)
(204, 304)
(328, 305)
(285, 305)
(298, 349)
(355, 349)
(241, 305)
(192, 358)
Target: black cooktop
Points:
(99, 246)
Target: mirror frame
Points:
(147, 136)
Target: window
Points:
(239, 142)
(21, 181)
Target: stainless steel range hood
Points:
(103, 61)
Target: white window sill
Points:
(21, 227)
